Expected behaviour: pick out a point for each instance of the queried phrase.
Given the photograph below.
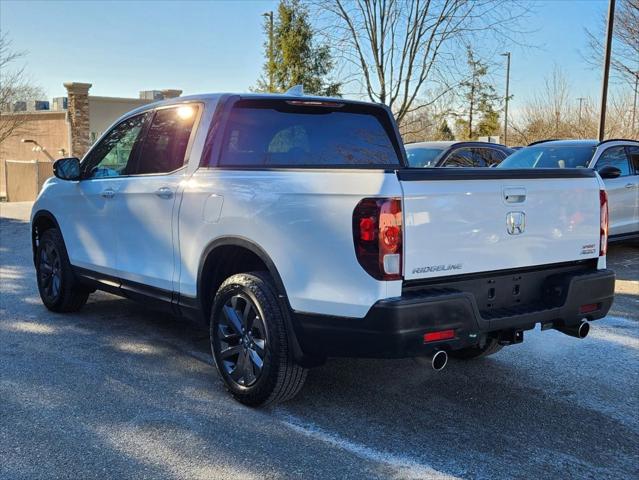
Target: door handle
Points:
(164, 192)
(514, 195)
(630, 185)
(108, 193)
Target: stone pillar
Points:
(78, 117)
(169, 93)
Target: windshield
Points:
(549, 156)
(423, 156)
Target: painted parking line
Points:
(406, 466)
(610, 331)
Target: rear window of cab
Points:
(290, 133)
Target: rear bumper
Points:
(395, 328)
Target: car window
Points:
(485, 157)
(633, 156)
(115, 153)
(481, 156)
(550, 156)
(421, 157)
(495, 156)
(462, 157)
(164, 147)
(614, 157)
(281, 133)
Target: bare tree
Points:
(15, 86)
(553, 113)
(403, 50)
(421, 125)
(620, 122)
(423, 122)
(548, 114)
(625, 52)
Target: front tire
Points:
(250, 343)
(59, 289)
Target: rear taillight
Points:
(603, 222)
(377, 233)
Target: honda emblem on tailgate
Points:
(515, 223)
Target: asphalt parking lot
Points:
(119, 391)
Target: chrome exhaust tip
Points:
(439, 360)
(583, 329)
(580, 330)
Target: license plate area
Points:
(497, 292)
(508, 291)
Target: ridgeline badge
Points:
(437, 268)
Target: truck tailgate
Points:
(460, 221)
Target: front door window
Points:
(114, 155)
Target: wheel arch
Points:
(42, 220)
(207, 280)
(220, 245)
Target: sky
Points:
(212, 46)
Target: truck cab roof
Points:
(214, 97)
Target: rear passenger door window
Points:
(614, 157)
(166, 141)
(482, 157)
(461, 157)
(491, 156)
(633, 156)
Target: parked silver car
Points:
(617, 161)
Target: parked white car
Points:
(292, 227)
(617, 161)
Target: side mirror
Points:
(67, 168)
(609, 172)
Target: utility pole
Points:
(472, 106)
(634, 102)
(271, 65)
(606, 72)
(581, 101)
(507, 55)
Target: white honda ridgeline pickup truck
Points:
(292, 226)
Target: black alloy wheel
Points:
(241, 340)
(250, 342)
(50, 272)
(60, 290)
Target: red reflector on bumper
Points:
(590, 307)
(441, 335)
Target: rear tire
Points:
(491, 347)
(59, 288)
(250, 342)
